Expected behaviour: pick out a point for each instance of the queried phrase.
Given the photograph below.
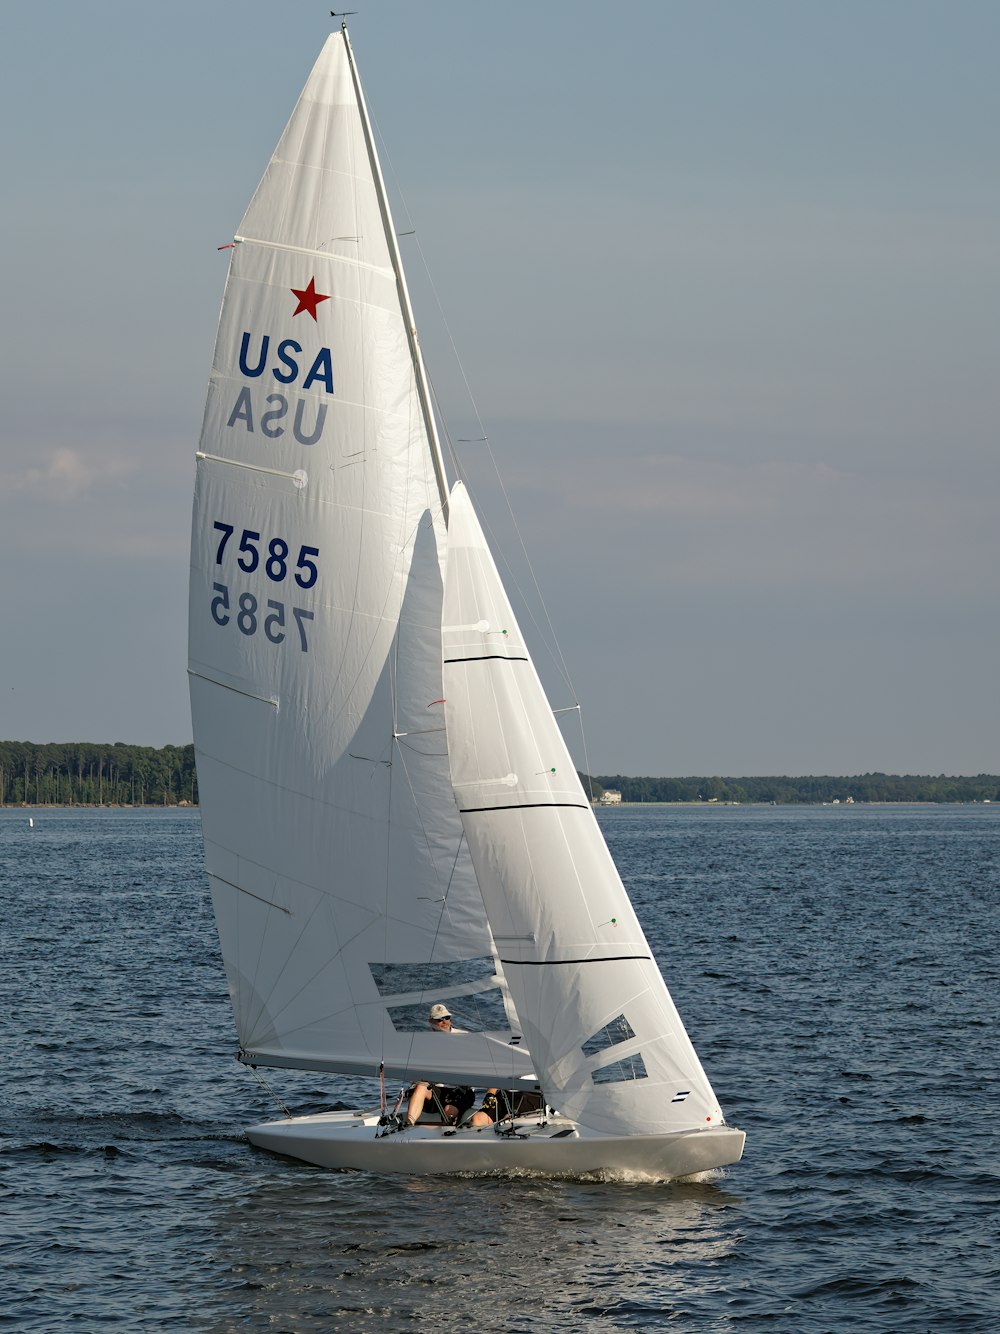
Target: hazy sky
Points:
(725, 283)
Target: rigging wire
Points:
(547, 634)
(268, 1089)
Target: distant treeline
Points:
(813, 789)
(83, 773)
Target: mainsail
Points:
(343, 890)
(609, 1047)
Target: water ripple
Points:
(838, 974)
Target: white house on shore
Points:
(611, 798)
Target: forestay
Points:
(344, 895)
(609, 1047)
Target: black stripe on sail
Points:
(486, 657)
(522, 806)
(554, 963)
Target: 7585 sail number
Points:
(271, 559)
(275, 561)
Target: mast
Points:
(423, 385)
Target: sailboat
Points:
(391, 816)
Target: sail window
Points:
(480, 1012)
(618, 1030)
(399, 979)
(630, 1067)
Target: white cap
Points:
(440, 1012)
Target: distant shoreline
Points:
(597, 805)
(784, 790)
(94, 775)
(98, 806)
(615, 806)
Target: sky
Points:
(724, 285)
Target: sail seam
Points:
(224, 685)
(485, 657)
(523, 806)
(249, 892)
(552, 963)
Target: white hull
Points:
(556, 1148)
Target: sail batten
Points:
(322, 253)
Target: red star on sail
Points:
(309, 299)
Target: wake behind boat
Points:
(391, 816)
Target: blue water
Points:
(836, 967)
